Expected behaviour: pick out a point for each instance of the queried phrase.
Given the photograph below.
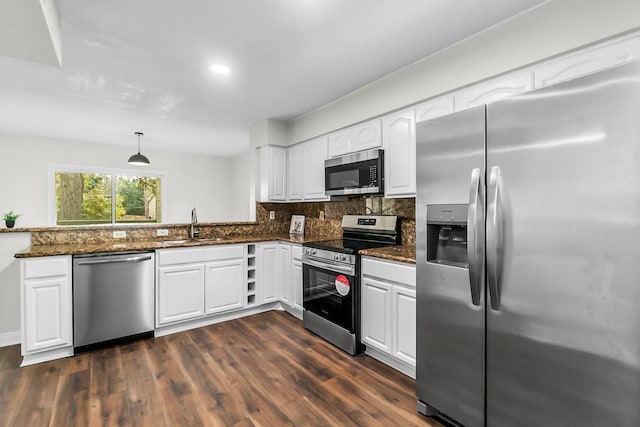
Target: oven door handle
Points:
(335, 267)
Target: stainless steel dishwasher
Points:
(113, 298)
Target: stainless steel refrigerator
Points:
(528, 257)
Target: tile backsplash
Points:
(404, 208)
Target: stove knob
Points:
(343, 257)
(313, 251)
(336, 257)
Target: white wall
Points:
(551, 29)
(191, 180)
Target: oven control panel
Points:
(326, 255)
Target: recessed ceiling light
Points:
(220, 69)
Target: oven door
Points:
(329, 291)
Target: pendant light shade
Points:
(139, 159)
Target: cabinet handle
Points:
(112, 261)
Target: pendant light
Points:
(139, 159)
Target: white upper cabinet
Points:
(356, 138)
(399, 137)
(295, 172)
(587, 61)
(367, 136)
(434, 108)
(341, 142)
(493, 90)
(272, 174)
(305, 164)
(314, 153)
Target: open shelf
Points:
(251, 274)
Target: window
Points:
(106, 197)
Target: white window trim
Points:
(53, 168)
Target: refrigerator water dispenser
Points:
(447, 235)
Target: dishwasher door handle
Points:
(112, 261)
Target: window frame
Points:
(113, 172)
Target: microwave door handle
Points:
(475, 238)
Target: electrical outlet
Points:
(272, 214)
(321, 214)
(120, 234)
(161, 232)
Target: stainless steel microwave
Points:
(358, 173)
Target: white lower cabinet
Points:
(47, 309)
(296, 279)
(403, 305)
(180, 292)
(388, 312)
(376, 313)
(196, 282)
(280, 275)
(221, 288)
(274, 260)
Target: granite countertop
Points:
(125, 246)
(400, 253)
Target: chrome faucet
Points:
(194, 233)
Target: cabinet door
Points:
(296, 284)
(272, 174)
(493, 90)
(587, 61)
(341, 142)
(224, 285)
(295, 172)
(376, 314)
(399, 137)
(283, 273)
(367, 136)
(314, 153)
(434, 108)
(47, 313)
(404, 324)
(279, 174)
(179, 293)
(267, 280)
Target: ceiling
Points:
(143, 65)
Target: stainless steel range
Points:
(331, 278)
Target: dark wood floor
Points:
(263, 370)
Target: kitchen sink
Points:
(212, 239)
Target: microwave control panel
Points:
(373, 174)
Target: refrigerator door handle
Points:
(475, 236)
(494, 238)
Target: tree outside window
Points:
(98, 198)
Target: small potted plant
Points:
(10, 219)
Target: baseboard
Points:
(9, 338)
(211, 320)
(395, 363)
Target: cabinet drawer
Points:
(46, 267)
(390, 270)
(201, 254)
